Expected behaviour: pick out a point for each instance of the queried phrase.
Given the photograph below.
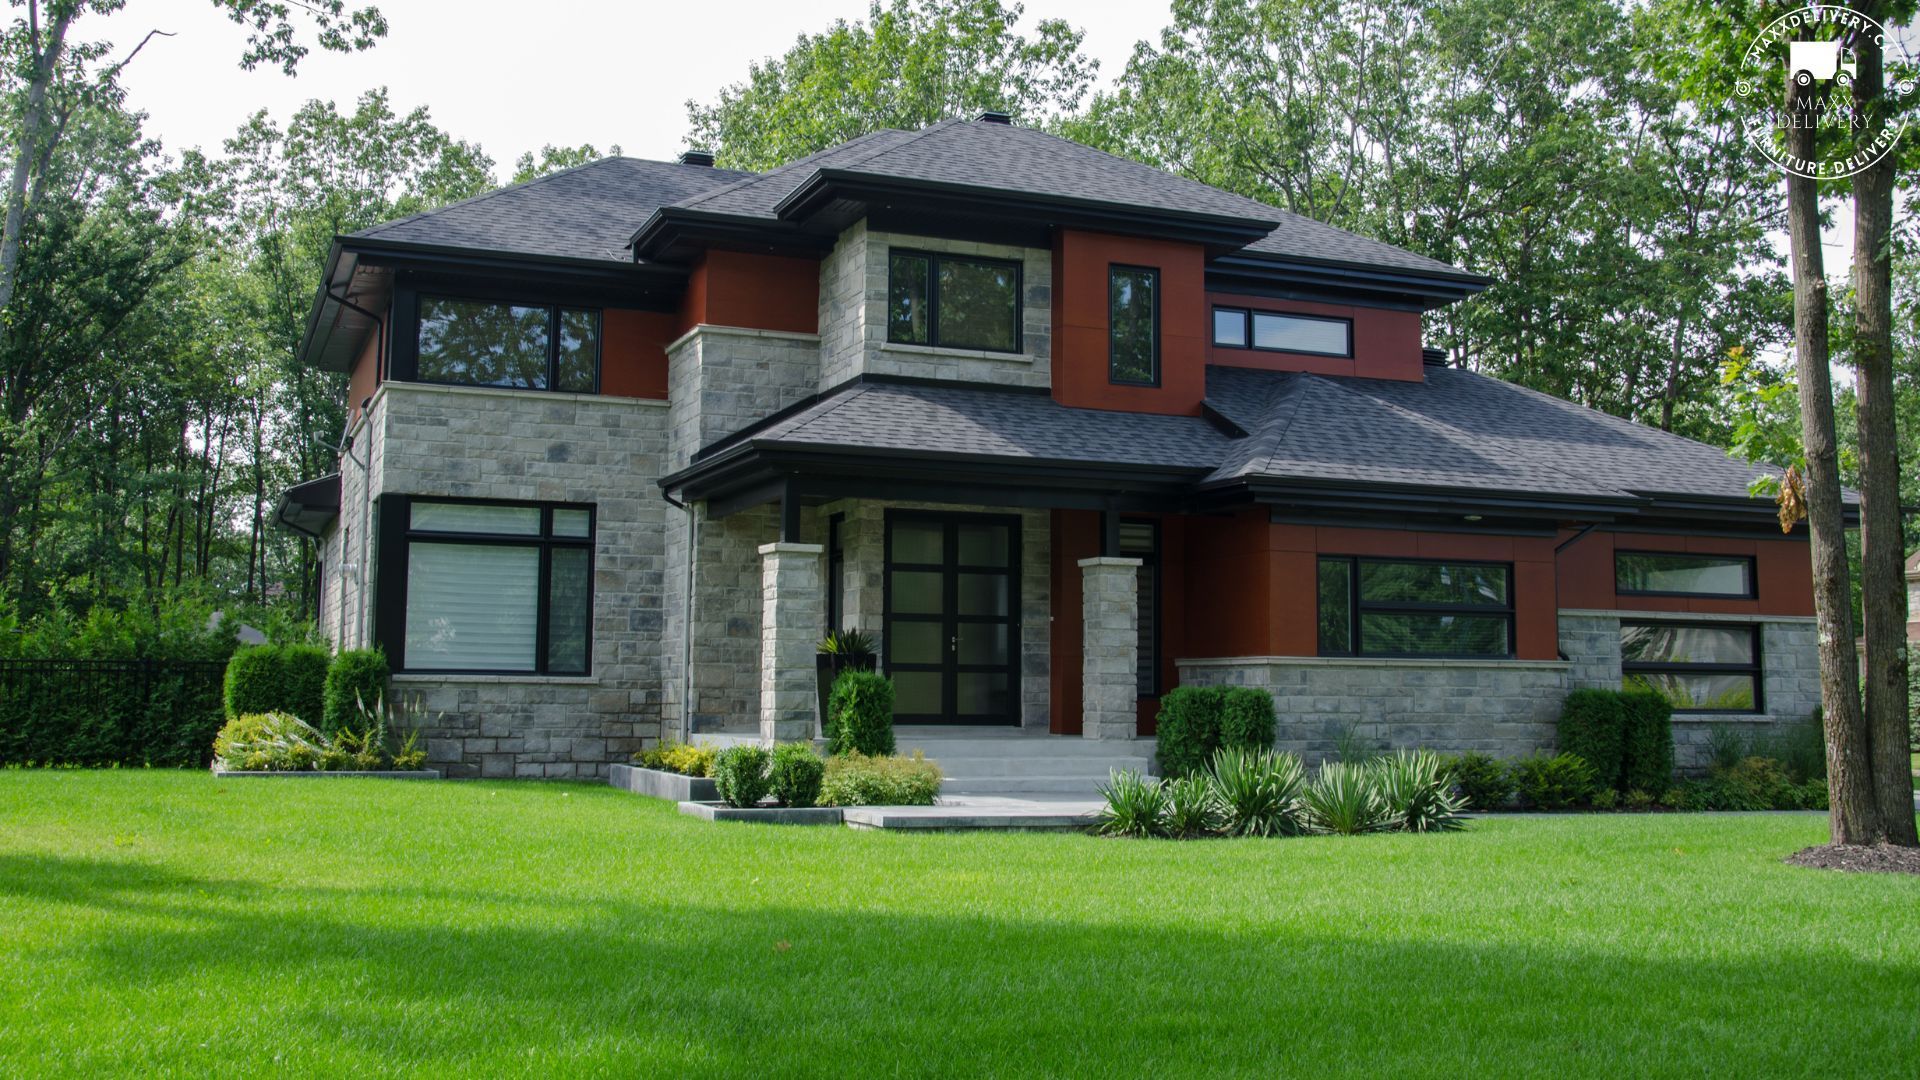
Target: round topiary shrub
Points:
(860, 714)
(1188, 729)
(356, 684)
(740, 774)
(795, 774)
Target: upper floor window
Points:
(953, 301)
(1662, 573)
(1273, 331)
(1386, 607)
(523, 346)
(1133, 299)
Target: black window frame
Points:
(836, 571)
(934, 259)
(950, 567)
(1356, 607)
(1755, 669)
(398, 537)
(1246, 331)
(1752, 564)
(1150, 566)
(1153, 363)
(553, 309)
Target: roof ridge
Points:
(1433, 422)
(834, 404)
(1271, 436)
(780, 170)
(1143, 165)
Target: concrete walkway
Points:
(1007, 812)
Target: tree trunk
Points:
(27, 151)
(1882, 545)
(1854, 813)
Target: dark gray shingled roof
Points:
(1300, 237)
(952, 419)
(586, 212)
(1460, 430)
(1455, 431)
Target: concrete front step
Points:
(1036, 766)
(1081, 785)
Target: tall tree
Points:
(908, 65)
(554, 158)
(1882, 542)
(42, 48)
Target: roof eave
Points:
(1432, 288)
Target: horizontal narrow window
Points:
(1414, 608)
(1699, 667)
(497, 587)
(1272, 331)
(954, 302)
(1659, 573)
(515, 346)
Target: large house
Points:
(1064, 431)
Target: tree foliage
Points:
(910, 64)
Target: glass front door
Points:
(952, 631)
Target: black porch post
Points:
(1109, 533)
(790, 511)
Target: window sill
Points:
(423, 677)
(957, 354)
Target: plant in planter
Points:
(740, 773)
(840, 650)
(795, 774)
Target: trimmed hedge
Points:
(357, 678)
(1188, 729)
(1246, 719)
(795, 774)
(1592, 728)
(162, 713)
(860, 714)
(278, 678)
(740, 775)
(1646, 742)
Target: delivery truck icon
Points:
(1810, 60)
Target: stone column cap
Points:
(786, 548)
(1112, 560)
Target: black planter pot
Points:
(827, 667)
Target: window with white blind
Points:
(497, 587)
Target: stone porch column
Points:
(792, 613)
(1110, 647)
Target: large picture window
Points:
(518, 346)
(1133, 347)
(953, 302)
(1415, 608)
(1275, 331)
(1663, 573)
(496, 587)
(1699, 667)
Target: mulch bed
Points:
(1860, 858)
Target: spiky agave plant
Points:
(1259, 792)
(1136, 805)
(1346, 799)
(1418, 791)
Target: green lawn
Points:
(168, 923)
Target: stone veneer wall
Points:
(1502, 707)
(1789, 671)
(532, 446)
(853, 315)
(864, 537)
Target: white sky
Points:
(513, 76)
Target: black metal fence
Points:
(109, 712)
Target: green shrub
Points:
(1592, 726)
(1187, 731)
(270, 742)
(278, 678)
(1646, 741)
(1259, 792)
(1193, 807)
(795, 774)
(356, 683)
(1606, 799)
(1726, 747)
(1352, 744)
(1485, 782)
(1756, 783)
(1246, 718)
(677, 757)
(1813, 794)
(410, 754)
(1553, 783)
(1136, 806)
(860, 714)
(740, 775)
(1800, 746)
(1638, 799)
(1416, 788)
(862, 780)
(1346, 799)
